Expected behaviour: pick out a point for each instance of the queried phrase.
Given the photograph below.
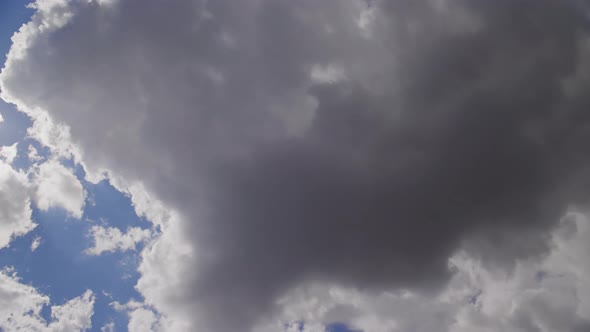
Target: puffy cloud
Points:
(8, 153)
(349, 142)
(74, 315)
(15, 204)
(166, 273)
(20, 308)
(112, 239)
(17, 300)
(538, 295)
(57, 186)
(141, 318)
(48, 185)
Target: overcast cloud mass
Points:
(407, 164)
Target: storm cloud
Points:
(359, 143)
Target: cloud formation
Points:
(15, 204)
(111, 239)
(48, 185)
(20, 308)
(543, 295)
(57, 186)
(8, 153)
(348, 142)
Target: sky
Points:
(309, 166)
(49, 260)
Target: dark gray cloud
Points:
(379, 194)
(455, 121)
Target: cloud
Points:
(57, 186)
(8, 153)
(109, 327)
(141, 318)
(360, 145)
(33, 154)
(18, 299)
(112, 239)
(15, 204)
(48, 185)
(21, 306)
(35, 243)
(74, 315)
(541, 295)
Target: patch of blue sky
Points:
(339, 327)
(14, 127)
(120, 212)
(22, 162)
(59, 267)
(13, 14)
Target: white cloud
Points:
(20, 308)
(1, 118)
(141, 317)
(54, 135)
(112, 239)
(108, 327)
(15, 204)
(33, 154)
(166, 264)
(51, 185)
(74, 315)
(8, 153)
(142, 320)
(57, 186)
(17, 300)
(35, 243)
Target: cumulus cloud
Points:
(20, 308)
(542, 295)
(348, 142)
(74, 315)
(57, 186)
(141, 318)
(8, 153)
(15, 204)
(112, 239)
(48, 185)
